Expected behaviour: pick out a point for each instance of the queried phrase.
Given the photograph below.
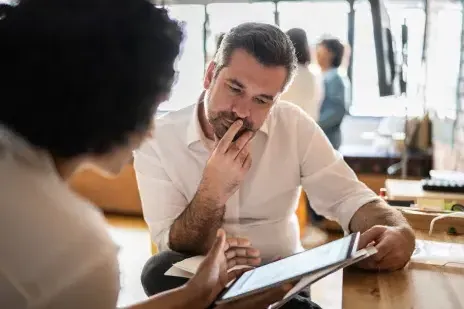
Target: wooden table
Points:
(418, 286)
(411, 190)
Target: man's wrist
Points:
(207, 197)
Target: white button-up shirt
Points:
(55, 250)
(289, 151)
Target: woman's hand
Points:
(212, 275)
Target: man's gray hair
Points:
(267, 43)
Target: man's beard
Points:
(221, 122)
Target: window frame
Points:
(351, 18)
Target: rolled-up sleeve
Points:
(162, 202)
(332, 187)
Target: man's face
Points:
(245, 89)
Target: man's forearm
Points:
(378, 213)
(194, 231)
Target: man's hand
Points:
(395, 246)
(227, 166)
(240, 252)
(193, 230)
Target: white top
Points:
(289, 150)
(55, 251)
(306, 90)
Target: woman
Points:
(79, 83)
(306, 90)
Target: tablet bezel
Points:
(353, 247)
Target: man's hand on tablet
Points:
(394, 244)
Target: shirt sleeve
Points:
(332, 187)
(161, 201)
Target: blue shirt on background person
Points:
(337, 99)
(334, 106)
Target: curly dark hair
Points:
(79, 76)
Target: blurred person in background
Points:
(337, 97)
(306, 89)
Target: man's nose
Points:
(242, 108)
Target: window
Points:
(444, 50)
(331, 17)
(224, 16)
(316, 18)
(366, 98)
(191, 62)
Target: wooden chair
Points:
(113, 195)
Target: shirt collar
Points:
(195, 133)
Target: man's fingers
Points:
(241, 156)
(242, 255)
(227, 139)
(243, 141)
(242, 252)
(384, 247)
(243, 261)
(247, 163)
(370, 235)
(238, 242)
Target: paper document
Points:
(438, 253)
(188, 267)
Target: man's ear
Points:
(209, 75)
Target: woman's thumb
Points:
(219, 243)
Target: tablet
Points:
(291, 268)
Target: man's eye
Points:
(260, 101)
(235, 90)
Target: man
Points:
(330, 55)
(237, 159)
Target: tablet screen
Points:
(291, 267)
